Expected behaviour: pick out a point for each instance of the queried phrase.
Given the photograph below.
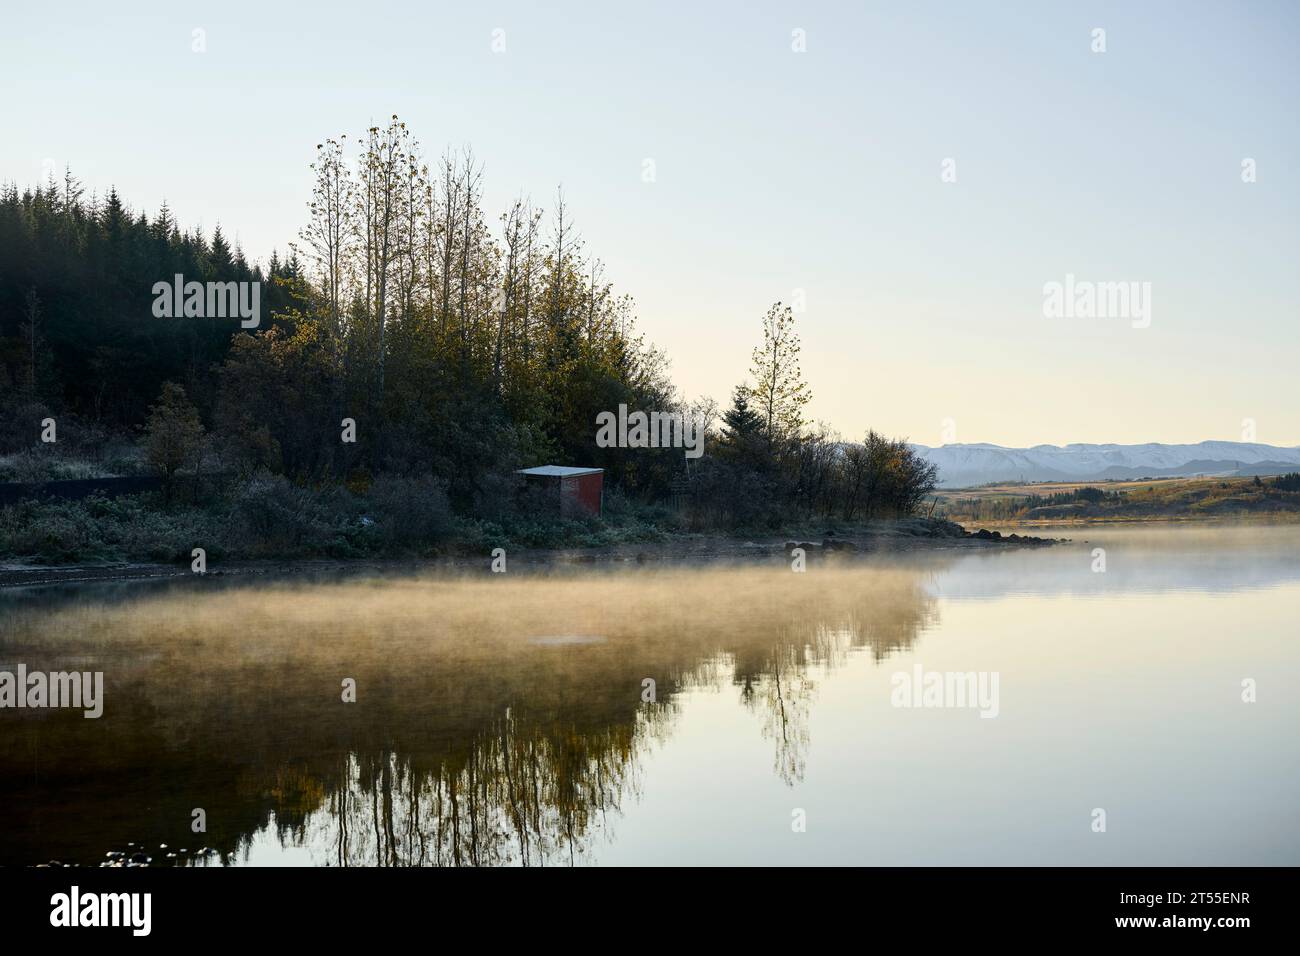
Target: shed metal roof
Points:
(559, 471)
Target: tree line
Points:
(76, 330)
(458, 345)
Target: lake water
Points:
(716, 714)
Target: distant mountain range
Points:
(962, 466)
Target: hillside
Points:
(962, 466)
(1160, 499)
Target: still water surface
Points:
(503, 719)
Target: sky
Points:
(912, 178)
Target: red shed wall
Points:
(580, 493)
(590, 491)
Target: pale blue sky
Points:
(777, 171)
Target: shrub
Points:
(107, 529)
(20, 424)
(45, 464)
(409, 512)
(271, 517)
(56, 532)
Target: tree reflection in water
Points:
(469, 744)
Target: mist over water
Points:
(505, 719)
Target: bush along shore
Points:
(98, 539)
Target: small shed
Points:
(575, 491)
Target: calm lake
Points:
(707, 714)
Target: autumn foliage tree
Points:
(779, 391)
(173, 435)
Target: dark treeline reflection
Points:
(497, 720)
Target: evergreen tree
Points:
(114, 217)
(744, 436)
(92, 266)
(163, 224)
(219, 258)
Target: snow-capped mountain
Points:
(966, 465)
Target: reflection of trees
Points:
(517, 800)
(883, 619)
(520, 793)
(784, 695)
(468, 745)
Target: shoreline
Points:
(900, 536)
(1242, 518)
